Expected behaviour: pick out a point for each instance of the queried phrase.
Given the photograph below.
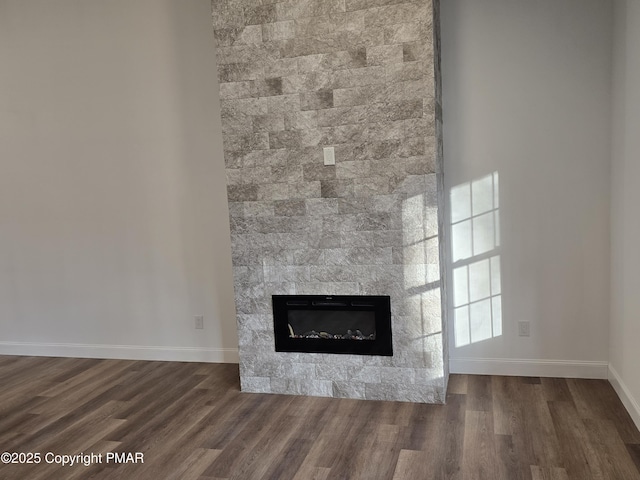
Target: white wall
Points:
(625, 199)
(526, 88)
(113, 217)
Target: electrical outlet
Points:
(523, 329)
(199, 322)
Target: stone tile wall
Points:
(358, 75)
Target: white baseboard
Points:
(122, 352)
(625, 395)
(529, 368)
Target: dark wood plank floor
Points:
(191, 422)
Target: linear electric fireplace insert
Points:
(333, 324)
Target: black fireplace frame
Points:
(380, 305)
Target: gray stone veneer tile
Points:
(359, 76)
(398, 13)
(309, 257)
(247, 54)
(282, 67)
(260, 15)
(322, 206)
(407, 32)
(331, 43)
(349, 390)
(269, 87)
(290, 386)
(415, 51)
(306, 190)
(246, 106)
(278, 30)
(283, 104)
(407, 393)
(384, 54)
(290, 208)
(330, 24)
(333, 273)
(255, 384)
(317, 100)
(352, 58)
(242, 193)
(237, 90)
(309, 8)
(335, 373)
(328, 288)
(301, 120)
(268, 123)
(365, 374)
(286, 274)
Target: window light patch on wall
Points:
(475, 244)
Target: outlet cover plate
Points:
(329, 156)
(524, 329)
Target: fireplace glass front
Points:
(333, 324)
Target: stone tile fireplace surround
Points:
(361, 76)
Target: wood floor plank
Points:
(396, 413)
(381, 467)
(409, 466)
(578, 454)
(540, 423)
(70, 440)
(453, 444)
(342, 457)
(436, 436)
(161, 443)
(287, 464)
(548, 473)
(224, 406)
(458, 384)
(75, 391)
(21, 386)
(531, 380)
(333, 436)
(479, 459)
(479, 393)
(92, 410)
(88, 378)
(193, 466)
(14, 372)
(100, 447)
(313, 473)
(137, 425)
(520, 426)
(634, 453)
(191, 422)
(59, 416)
(17, 415)
(610, 449)
(502, 404)
(248, 437)
(76, 367)
(556, 389)
(509, 464)
(297, 419)
(423, 421)
(89, 429)
(596, 399)
(148, 381)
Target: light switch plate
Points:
(329, 156)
